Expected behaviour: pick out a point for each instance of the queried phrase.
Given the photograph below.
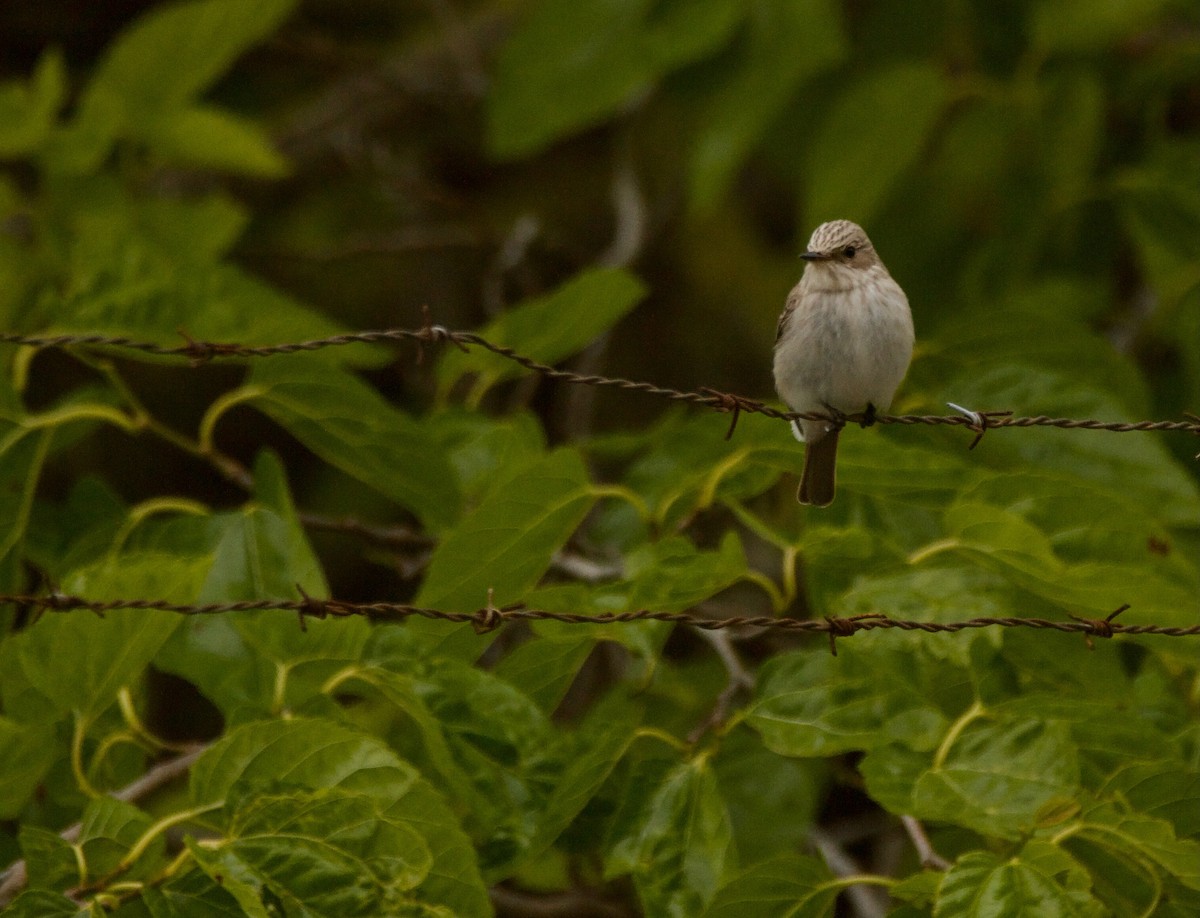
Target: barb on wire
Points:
(490, 617)
(200, 352)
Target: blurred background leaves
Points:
(622, 186)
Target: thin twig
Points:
(867, 902)
(16, 876)
(925, 850)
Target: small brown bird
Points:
(844, 343)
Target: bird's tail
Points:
(820, 471)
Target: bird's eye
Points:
(849, 251)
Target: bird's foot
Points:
(869, 416)
(837, 417)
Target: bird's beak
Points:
(814, 256)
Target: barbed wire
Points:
(490, 617)
(201, 352)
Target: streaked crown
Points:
(837, 234)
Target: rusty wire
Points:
(200, 352)
(491, 617)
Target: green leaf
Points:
(1106, 833)
(1005, 543)
(504, 743)
(677, 850)
(546, 328)
(192, 895)
(671, 575)
(504, 545)
(215, 139)
(991, 775)
(27, 751)
(876, 131)
(436, 754)
(1057, 343)
(644, 639)
(340, 890)
(934, 592)
(261, 556)
(168, 57)
(1078, 26)
(787, 886)
(1137, 467)
(22, 454)
(545, 666)
(758, 785)
(27, 111)
(74, 532)
(348, 823)
(196, 230)
(454, 882)
(1162, 789)
(50, 860)
(349, 425)
(303, 753)
(173, 53)
(596, 748)
(483, 449)
(320, 754)
(41, 903)
(788, 43)
(105, 654)
(815, 704)
(1003, 540)
(1073, 112)
(1160, 209)
(242, 661)
(981, 884)
(127, 285)
(605, 54)
(108, 832)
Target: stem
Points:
(350, 672)
(864, 879)
(933, 548)
(279, 694)
(620, 492)
(223, 404)
(17, 875)
(662, 735)
(115, 739)
(709, 492)
(77, 737)
(138, 730)
(925, 850)
(790, 555)
(20, 519)
(974, 712)
(148, 837)
(779, 600)
(148, 508)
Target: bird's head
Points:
(841, 245)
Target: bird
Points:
(843, 346)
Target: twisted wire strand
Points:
(490, 617)
(199, 352)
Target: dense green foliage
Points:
(1031, 174)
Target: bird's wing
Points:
(788, 309)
